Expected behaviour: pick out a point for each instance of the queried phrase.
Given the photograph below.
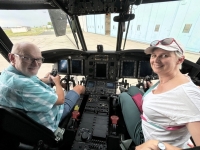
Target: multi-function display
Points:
(77, 66)
(63, 66)
(144, 69)
(128, 68)
(101, 70)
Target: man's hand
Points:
(46, 79)
(56, 79)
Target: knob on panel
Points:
(84, 136)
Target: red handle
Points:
(114, 119)
(75, 114)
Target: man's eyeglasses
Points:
(30, 60)
(166, 41)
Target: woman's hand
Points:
(153, 145)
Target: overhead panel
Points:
(84, 7)
(75, 7)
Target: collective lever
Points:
(75, 115)
(114, 120)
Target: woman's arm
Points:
(194, 129)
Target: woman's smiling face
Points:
(163, 62)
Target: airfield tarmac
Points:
(48, 41)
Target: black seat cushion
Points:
(17, 124)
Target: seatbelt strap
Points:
(151, 88)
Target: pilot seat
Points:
(18, 131)
(135, 124)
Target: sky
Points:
(32, 18)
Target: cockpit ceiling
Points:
(51, 4)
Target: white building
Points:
(20, 29)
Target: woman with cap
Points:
(171, 108)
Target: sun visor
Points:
(59, 21)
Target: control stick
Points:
(114, 120)
(54, 73)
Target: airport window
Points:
(157, 27)
(138, 27)
(187, 28)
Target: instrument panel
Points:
(110, 67)
(100, 87)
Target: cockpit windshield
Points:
(50, 31)
(54, 29)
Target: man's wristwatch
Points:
(161, 146)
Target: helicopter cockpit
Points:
(96, 122)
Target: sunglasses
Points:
(166, 41)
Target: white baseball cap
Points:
(168, 44)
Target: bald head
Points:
(23, 57)
(24, 48)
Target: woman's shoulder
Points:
(189, 90)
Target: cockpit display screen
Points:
(144, 69)
(110, 85)
(76, 67)
(101, 70)
(128, 68)
(90, 84)
(63, 66)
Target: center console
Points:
(95, 127)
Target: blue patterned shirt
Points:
(31, 95)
